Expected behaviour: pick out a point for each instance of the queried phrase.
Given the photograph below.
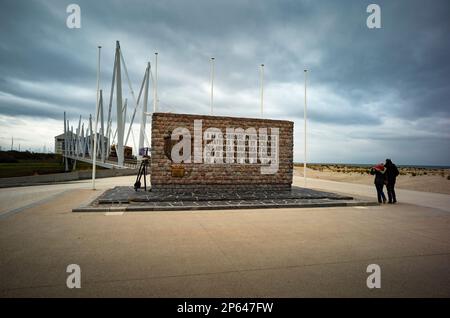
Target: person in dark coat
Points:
(379, 171)
(391, 176)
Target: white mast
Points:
(262, 90)
(120, 118)
(64, 151)
(304, 128)
(94, 155)
(144, 108)
(155, 87)
(212, 84)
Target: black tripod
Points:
(142, 172)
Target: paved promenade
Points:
(293, 252)
(425, 199)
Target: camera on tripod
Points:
(143, 168)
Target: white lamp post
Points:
(212, 84)
(262, 90)
(155, 87)
(94, 155)
(304, 132)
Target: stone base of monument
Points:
(126, 199)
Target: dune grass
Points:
(20, 164)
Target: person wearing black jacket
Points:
(391, 176)
(379, 172)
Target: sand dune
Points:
(418, 179)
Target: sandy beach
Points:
(418, 179)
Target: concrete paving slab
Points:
(282, 252)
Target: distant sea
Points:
(371, 164)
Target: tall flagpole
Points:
(144, 110)
(212, 84)
(66, 167)
(262, 90)
(94, 154)
(304, 132)
(155, 86)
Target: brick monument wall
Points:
(167, 175)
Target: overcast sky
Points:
(373, 93)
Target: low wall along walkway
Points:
(63, 177)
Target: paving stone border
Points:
(126, 199)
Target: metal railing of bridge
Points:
(79, 144)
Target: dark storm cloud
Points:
(408, 56)
(374, 77)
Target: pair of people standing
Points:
(385, 174)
